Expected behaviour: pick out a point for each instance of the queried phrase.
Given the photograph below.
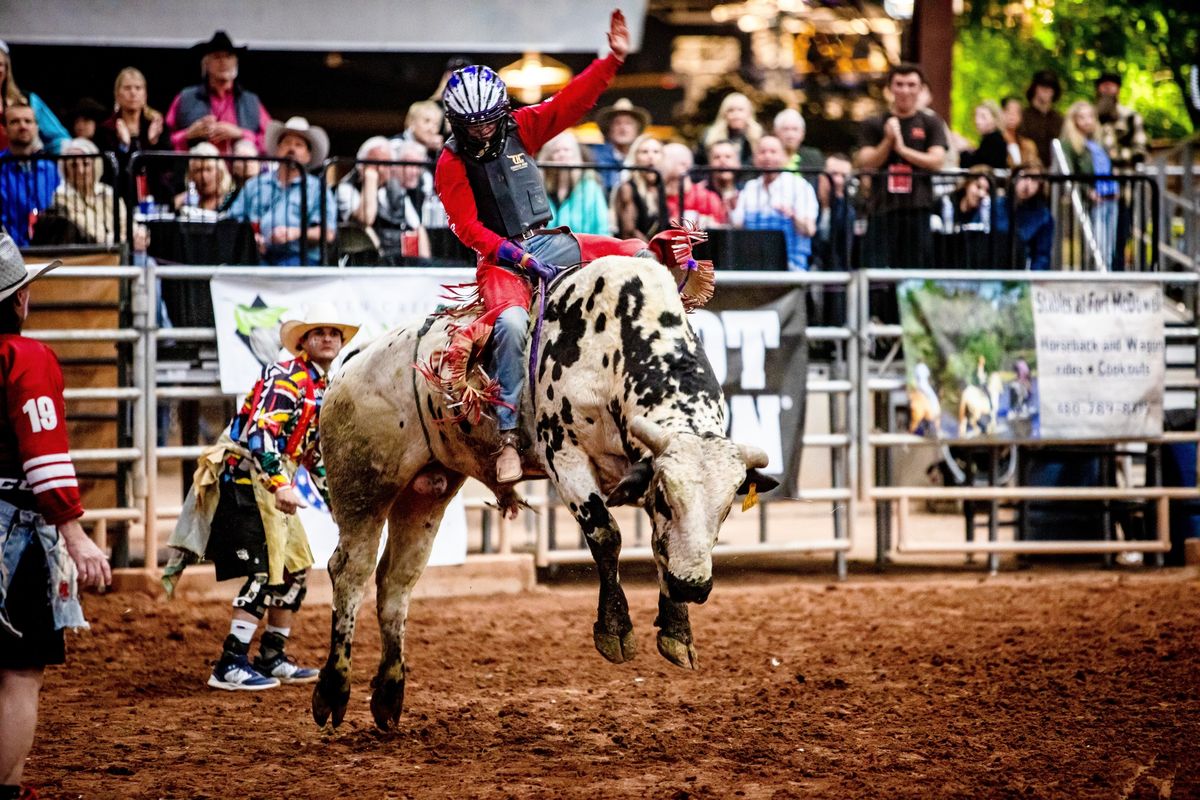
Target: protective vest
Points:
(193, 104)
(510, 195)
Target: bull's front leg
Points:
(675, 633)
(573, 478)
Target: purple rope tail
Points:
(537, 331)
(689, 266)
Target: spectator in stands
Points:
(780, 201)
(992, 151)
(1123, 136)
(26, 187)
(218, 110)
(620, 123)
(902, 144)
(724, 177)
(701, 205)
(576, 196)
(208, 175)
(1040, 122)
(790, 129)
(735, 123)
(273, 201)
(46, 555)
(83, 200)
(242, 170)
(50, 129)
(391, 203)
(1020, 149)
(835, 223)
(84, 119)
(1032, 220)
(134, 125)
(1086, 156)
(637, 202)
(423, 124)
(1122, 132)
(965, 222)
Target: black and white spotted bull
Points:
(624, 409)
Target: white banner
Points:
(1101, 359)
(248, 314)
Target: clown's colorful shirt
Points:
(278, 422)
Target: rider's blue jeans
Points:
(508, 362)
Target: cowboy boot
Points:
(508, 461)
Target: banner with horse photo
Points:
(754, 339)
(970, 359)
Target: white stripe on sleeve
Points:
(58, 484)
(50, 471)
(50, 459)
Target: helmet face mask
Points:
(475, 98)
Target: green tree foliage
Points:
(1000, 45)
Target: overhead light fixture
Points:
(534, 76)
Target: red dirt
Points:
(1072, 686)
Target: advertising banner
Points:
(1021, 360)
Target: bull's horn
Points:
(753, 457)
(650, 434)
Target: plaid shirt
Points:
(1124, 138)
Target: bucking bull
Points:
(623, 408)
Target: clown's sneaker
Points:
(284, 670)
(234, 673)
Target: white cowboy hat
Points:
(14, 272)
(318, 140)
(318, 315)
(606, 115)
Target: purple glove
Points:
(512, 255)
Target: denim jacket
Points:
(18, 528)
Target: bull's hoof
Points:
(387, 701)
(329, 699)
(617, 649)
(681, 654)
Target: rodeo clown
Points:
(496, 203)
(248, 526)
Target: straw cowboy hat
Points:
(318, 315)
(605, 116)
(14, 272)
(318, 140)
(219, 43)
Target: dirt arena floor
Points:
(1039, 684)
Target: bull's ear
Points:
(633, 486)
(763, 483)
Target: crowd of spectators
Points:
(901, 200)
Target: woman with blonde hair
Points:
(133, 125)
(637, 201)
(575, 194)
(735, 123)
(993, 149)
(82, 199)
(207, 171)
(1087, 157)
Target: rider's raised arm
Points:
(540, 123)
(454, 190)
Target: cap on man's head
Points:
(1108, 77)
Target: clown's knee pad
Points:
(291, 594)
(252, 597)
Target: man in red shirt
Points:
(39, 513)
(496, 203)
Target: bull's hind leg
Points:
(349, 567)
(613, 631)
(412, 526)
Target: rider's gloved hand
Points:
(512, 254)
